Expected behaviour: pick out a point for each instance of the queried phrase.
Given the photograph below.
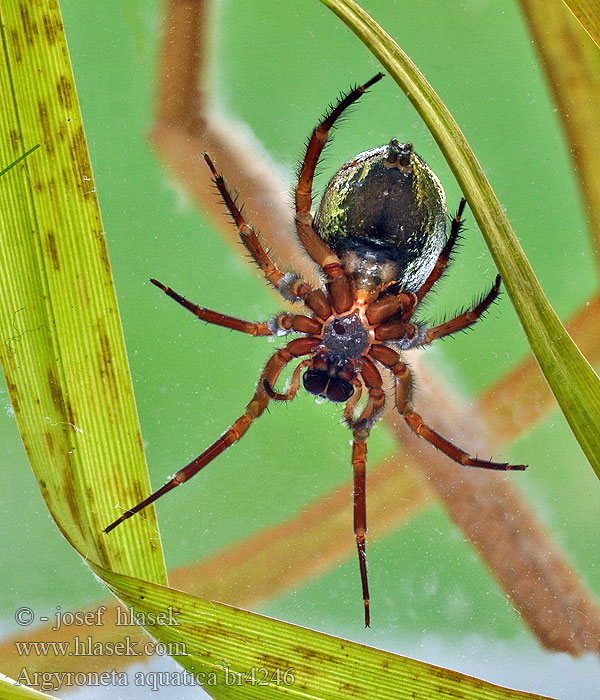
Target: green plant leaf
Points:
(230, 643)
(574, 383)
(19, 159)
(63, 354)
(588, 15)
(571, 62)
(11, 690)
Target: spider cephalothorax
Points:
(379, 240)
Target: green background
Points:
(278, 65)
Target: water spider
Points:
(379, 240)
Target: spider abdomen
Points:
(384, 214)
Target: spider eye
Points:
(315, 381)
(339, 390)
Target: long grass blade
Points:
(587, 13)
(62, 349)
(571, 62)
(14, 690)
(574, 383)
(222, 643)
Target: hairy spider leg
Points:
(374, 383)
(257, 405)
(444, 257)
(389, 358)
(279, 279)
(463, 320)
(294, 384)
(360, 431)
(352, 403)
(359, 462)
(390, 306)
(215, 317)
(315, 246)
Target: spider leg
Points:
(294, 384)
(374, 384)
(318, 250)
(351, 404)
(463, 320)
(392, 305)
(278, 325)
(444, 257)
(214, 317)
(360, 431)
(389, 358)
(359, 461)
(296, 323)
(289, 286)
(257, 405)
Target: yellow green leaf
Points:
(241, 648)
(574, 383)
(63, 354)
(588, 15)
(12, 690)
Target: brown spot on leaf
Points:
(50, 28)
(45, 126)
(15, 139)
(66, 176)
(53, 250)
(64, 88)
(55, 392)
(61, 401)
(14, 395)
(30, 28)
(70, 497)
(103, 555)
(314, 655)
(16, 42)
(351, 690)
(106, 362)
(81, 162)
(103, 252)
(49, 442)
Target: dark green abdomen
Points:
(384, 215)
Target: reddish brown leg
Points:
(391, 306)
(390, 359)
(300, 346)
(359, 461)
(278, 279)
(371, 411)
(284, 323)
(294, 385)
(352, 403)
(214, 317)
(318, 250)
(376, 402)
(444, 258)
(463, 320)
(360, 431)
